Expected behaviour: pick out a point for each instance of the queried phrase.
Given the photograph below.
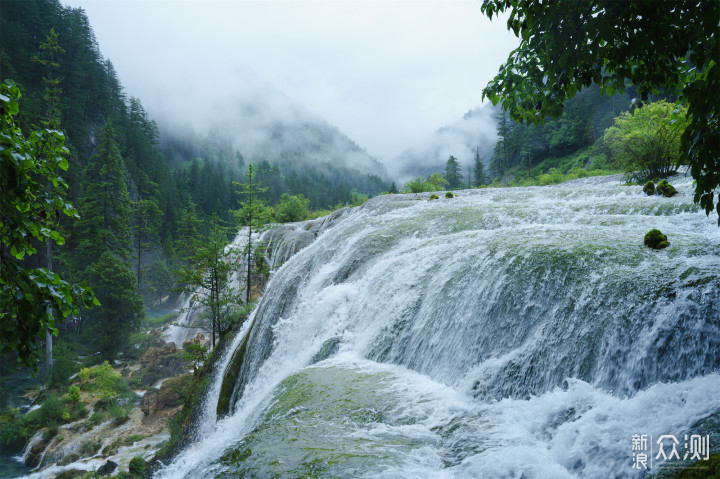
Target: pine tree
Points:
(252, 214)
(479, 172)
(105, 206)
(207, 272)
(502, 152)
(147, 225)
(453, 175)
(122, 307)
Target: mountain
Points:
(475, 130)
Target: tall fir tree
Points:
(206, 273)
(105, 206)
(479, 177)
(501, 154)
(253, 214)
(453, 175)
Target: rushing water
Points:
(518, 332)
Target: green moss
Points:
(666, 189)
(656, 240)
(449, 194)
(433, 197)
(649, 188)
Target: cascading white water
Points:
(280, 243)
(518, 332)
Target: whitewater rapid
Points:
(510, 332)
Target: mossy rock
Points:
(666, 189)
(138, 467)
(656, 240)
(434, 197)
(649, 188)
(449, 194)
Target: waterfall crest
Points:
(505, 330)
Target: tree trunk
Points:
(48, 336)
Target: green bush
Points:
(130, 440)
(73, 394)
(94, 420)
(118, 413)
(138, 467)
(89, 448)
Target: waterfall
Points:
(280, 243)
(502, 333)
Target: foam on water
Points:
(526, 331)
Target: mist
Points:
(388, 74)
(474, 133)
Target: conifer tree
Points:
(253, 214)
(105, 205)
(207, 272)
(479, 171)
(453, 175)
(122, 307)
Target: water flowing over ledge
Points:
(505, 332)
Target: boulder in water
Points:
(666, 189)
(649, 188)
(434, 197)
(449, 194)
(656, 240)
(107, 468)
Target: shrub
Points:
(130, 440)
(50, 431)
(118, 413)
(73, 394)
(94, 420)
(646, 143)
(89, 448)
(138, 467)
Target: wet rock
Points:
(33, 456)
(148, 404)
(666, 189)
(656, 240)
(154, 354)
(107, 468)
(649, 188)
(172, 392)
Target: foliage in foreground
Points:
(565, 48)
(31, 198)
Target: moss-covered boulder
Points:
(138, 467)
(434, 197)
(666, 189)
(449, 194)
(649, 188)
(656, 240)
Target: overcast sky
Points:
(386, 72)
